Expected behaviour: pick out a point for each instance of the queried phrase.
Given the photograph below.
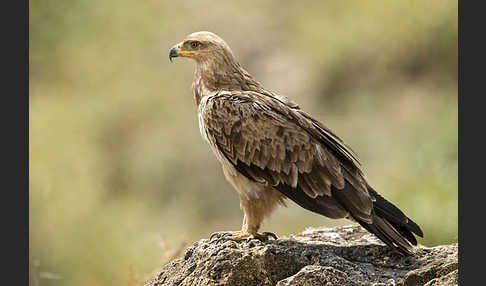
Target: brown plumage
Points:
(271, 150)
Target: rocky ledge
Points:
(346, 256)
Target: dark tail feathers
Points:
(391, 225)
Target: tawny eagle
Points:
(271, 150)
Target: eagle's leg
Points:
(254, 212)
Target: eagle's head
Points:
(201, 46)
(216, 67)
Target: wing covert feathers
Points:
(261, 131)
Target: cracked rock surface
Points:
(346, 255)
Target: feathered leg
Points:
(255, 209)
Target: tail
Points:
(391, 225)
(386, 221)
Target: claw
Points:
(213, 235)
(223, 236)
(271, 234)
(226, 234)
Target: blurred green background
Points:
(120, 178)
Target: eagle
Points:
(271, 150)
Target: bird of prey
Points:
(271, 150)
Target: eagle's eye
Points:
(194, 45)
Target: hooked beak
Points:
(175, 51)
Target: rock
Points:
(346, 255)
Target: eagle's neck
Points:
(222, 73)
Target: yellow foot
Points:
(241, 236)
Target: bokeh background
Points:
(120, 178)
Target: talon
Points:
(223, 236)
(271, 234)
(213, 235)
(226, 234)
